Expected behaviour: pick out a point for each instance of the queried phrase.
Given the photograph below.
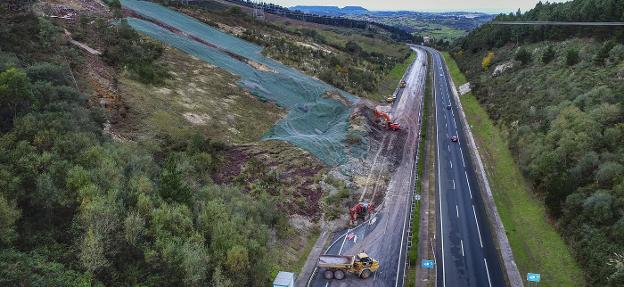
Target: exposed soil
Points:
(296, 172)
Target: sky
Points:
(491, 6)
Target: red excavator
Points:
(386, 122)
(361, 211)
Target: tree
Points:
(549, 55)
(92, 251)
(172, 184)
(572, 57)
(14, 91)
(8, 216)
(603, 53)
(485, 64)
(353, 47)
(523, 55)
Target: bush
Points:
(603, 53)
(523, 55)
(485, 64)
(572, 57)
(549, 55)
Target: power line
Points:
(556, 23)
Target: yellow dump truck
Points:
(336, 266)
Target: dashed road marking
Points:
(478, 230)
(462, 156)
(462, 246)
(468, 182)
(488, 271)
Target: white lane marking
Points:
(488, 271)
(448, 147)
(462, 156)
(457, 210)
(445, 124)
(343, 241)
(478, 229)
(451, 164)
(462, 246)
(468, 182)
(435, 93)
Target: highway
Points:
(465, 253)
(385, 236)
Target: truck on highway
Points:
(336, 266)
(403, 84)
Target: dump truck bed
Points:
(335, 261)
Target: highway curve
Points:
(466, 254)
(385, 237)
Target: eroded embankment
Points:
(314, 122)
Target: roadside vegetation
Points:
(536, 245)
(171, 205)
(555, 100)
(355, 60)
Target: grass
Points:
(536, 245)
(391, 80)
(197, 97)
(311, 240)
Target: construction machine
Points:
(360, 211)
(386, 120)
(336, 266)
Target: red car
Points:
(454, 139)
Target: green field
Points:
(536, 245)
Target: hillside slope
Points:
(355, 60)
(559, 100)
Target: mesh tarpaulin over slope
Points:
(314, 122)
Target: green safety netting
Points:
(314, 122)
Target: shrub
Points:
(548, 55)
(603, 53)
(485, 64)
(572, 57)
(523, 55)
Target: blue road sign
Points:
(427, 264)
(533, 277)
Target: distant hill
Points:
(332, 10)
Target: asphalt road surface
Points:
(384, 237)
(466, 255)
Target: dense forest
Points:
(558, 93)
(490, 35)
(77, 209)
